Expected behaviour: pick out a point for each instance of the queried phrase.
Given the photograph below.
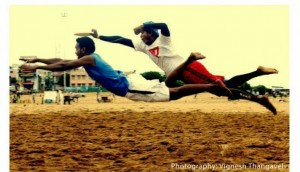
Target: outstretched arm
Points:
(113, 39)
(45, 61)
(117, 39)
(61, 65)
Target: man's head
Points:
(84, 46)
(154, 31)
(149, 35)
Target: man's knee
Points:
(168, 84)
(174, 93)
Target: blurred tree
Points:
(61, 80)
(48, 82)
(246, 86)
(260, 88)
(153, 75)
(156, 75)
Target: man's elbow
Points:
(165, 25)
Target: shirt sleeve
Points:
(165, 39)
(138, 45)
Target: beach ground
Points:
(206, 132)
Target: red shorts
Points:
(196, 73)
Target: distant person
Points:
(159, 48)
(18, 94)
(134, 86)
(15, 98)
(61, 97)
(33, 97)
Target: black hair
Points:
(150, 30)
(87, 43)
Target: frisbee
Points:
(83, 34)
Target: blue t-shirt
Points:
(113, 80)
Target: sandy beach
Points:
(203, 133)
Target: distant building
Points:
(79, 77)
(37, 80)
(13, 74)
(14, 71)
(33, 80)
(27, 80)
(56, 77)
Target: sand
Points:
(200, 133)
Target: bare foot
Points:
(196, 56)
(221, 85)
(264, 100)
(266, 70)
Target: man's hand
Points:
(138, 29)
(94, 33)
(32, 59)
(27, 67)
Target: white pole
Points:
(64, 15)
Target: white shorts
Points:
(141, 89)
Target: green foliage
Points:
(178, 83)
(261, 89)
(156, 75)
(153, 75)
(48, 82)
(246, 86)
(61, 80)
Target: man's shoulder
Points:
(94, 55)
(161, 36)
(87, 57)
(90, 59)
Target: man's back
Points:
(104, 74)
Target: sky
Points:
(235, 39)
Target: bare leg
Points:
(219, 88)
(262, 100)
(240, 79)
(190, 89)
(176, 73)
(240, 94)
